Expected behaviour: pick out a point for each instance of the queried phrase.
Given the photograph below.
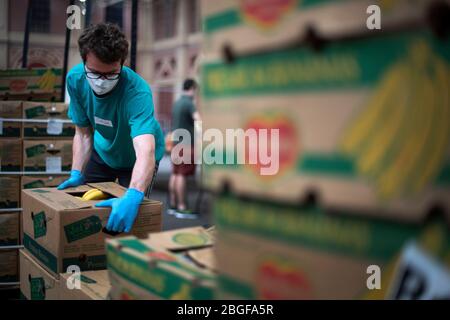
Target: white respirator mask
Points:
(101, 85)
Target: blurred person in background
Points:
(184, 114)
(117, 136)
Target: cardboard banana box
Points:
(9, 270)
(35, 282)
(39, 181)
(88, 285)
(51, 111)
(176, 264)
(10, 154)
(10, 110)
(270, 251)
(25, 82)
(51, 156)
(61, 230)
(249, 26)
(9, 228)
(363, 126)
(9, 192)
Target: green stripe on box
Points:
(27, 72)
(339, 232)
(236, 288)
(42, 254)
(354, 65)
(327, 164)
(443, 178)
(157, 281)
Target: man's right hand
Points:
(76, 179)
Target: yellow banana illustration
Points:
(47, 81)
(94, 194)
(413, 143)
(442, 128)
(182, 294)
(374, 113)
(401, 138)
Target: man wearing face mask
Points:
(117, 136)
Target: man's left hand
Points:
(124, 210)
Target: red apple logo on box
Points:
(279, 280)
(288, 142)
(18, 85)
(266, 13)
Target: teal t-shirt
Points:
(125, 113)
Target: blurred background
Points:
(359, 91)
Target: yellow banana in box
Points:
(94, 194)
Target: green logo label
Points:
(39, 224)
(82, 228)
(37, 288)
(190, 239)
(34, 184)
(35, 112)
(40, 191)
(35, 150)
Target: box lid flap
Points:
(112, 188)
(204, 257)
(117, 190)
(180, 239)
(56, 199)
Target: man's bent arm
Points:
(144, 147)
(82, 147)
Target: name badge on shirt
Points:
(103, 122)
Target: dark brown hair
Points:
(106, 41)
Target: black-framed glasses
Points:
(98, 75)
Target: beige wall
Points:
(47, 49)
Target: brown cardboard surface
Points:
(94, 285)
(44, 155)
(204, 257)
(32, 276)
(279, 271)
(307, 136)
(245, 26)
(12, 110)
(9, 271)
(9, 228)
(9, 192)
(45, 111)
(61, 229)
(10, 154)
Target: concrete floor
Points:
(171, 222)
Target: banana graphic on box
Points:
(94, 194)
(47, 81)
(399, 141)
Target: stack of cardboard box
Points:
(31, 84)
(359, 182)
(10, 162)
(34, 137)
(176, 264)
(63, 234)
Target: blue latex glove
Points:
(124, 210)
(76, 179)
